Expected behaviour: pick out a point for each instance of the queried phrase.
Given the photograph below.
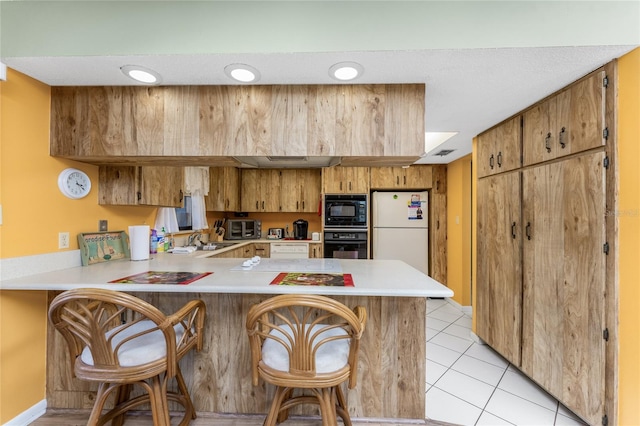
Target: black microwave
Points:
(345, 210)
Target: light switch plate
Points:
(103, 226)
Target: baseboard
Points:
(27, 417)
(465, 309)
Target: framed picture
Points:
(96, 247)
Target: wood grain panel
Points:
(486, 146)
(69, 121)
(118, 185)
(213, 129)
(499, 282)
(565, 282)
(147, 108)
(391, 371)
(181, 120)
(289, 120)
(322, 116)
(161, 186)
(404, 119)
(586, 117)
(109, 123)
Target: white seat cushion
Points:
(140, 350)
(330, 357)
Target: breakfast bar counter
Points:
(392, 365)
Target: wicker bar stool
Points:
(119, 341)
(307, 346)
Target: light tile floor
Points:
(470, 384)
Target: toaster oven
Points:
(243, 229)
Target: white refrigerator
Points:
(400, 227)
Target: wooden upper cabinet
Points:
(260, 190)
(499, 148)
(224, 189)
(184, 125)
(129, 185)
(566, 123)
(345, 180)
(413, 177)
(299, 190)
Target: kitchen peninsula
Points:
(392, 368)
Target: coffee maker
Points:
(300, 229)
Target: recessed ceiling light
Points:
(345, 71)
(242, 73)
(141, 74)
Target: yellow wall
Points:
(33, 212)
(629, 236)
(459, 229)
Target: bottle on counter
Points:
(167, 240)
(161, 240)
(153, 246)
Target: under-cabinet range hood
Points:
(283, 162)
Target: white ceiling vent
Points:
(444, 152)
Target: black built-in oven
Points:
(345, 244)
(345, 211)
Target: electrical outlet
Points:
(103, 226)
(63, 240)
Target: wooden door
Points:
(161, 186)
(538, 134)
(224, 189)
(385, 177)
(564, 282)
(508, 145)
(289, 190)
(332, 180)
(251, 197)
(356, 180)
(309, 190)
(417, 177)
(486, 158)
(499, 281)
(269, 187)
(585, 117)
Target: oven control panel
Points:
(344, 235)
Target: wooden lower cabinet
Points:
(564, 282)
(499, 274)
(315, 251)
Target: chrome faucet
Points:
(193, 238)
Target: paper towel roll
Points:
(139, 240)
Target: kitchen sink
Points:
(215, 246)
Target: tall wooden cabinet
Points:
(564, 281)
(542, 244)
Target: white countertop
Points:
(371, 277)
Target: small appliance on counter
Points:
(300, 229)
(276, 233)
(243, 229)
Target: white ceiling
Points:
(481, 61)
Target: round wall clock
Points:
(74, 183)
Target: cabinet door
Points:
(564, 281)
(315, 251)
(356, 180)
(224, 189)
(567, 123)
(499, 148)
(260, 190)
(332, 180)
(262, 249)
(499, 281)
(385, 177)
(289, 190)
(161, 186)
(417, 177)
(309, 190)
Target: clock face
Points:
(74, 183)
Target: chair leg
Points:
(327, 401)
(278, 398)
(182, 386)
(157, 389)
(341, 407)
(283, 415)
(122, 395)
